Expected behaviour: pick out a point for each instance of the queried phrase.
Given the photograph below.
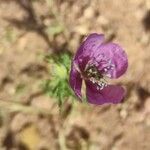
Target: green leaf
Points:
(58, 86)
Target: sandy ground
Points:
(26, 35)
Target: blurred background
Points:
(29, 118)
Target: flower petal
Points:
(91, 43)
(116, 55)
(110, 94)
(75, 80)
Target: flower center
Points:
(95, 76)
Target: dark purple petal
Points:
(75, 80)
(93, 41)
(110, 94)
(116, 55)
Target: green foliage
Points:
(55, 29)
(20, 88)
(57, 86)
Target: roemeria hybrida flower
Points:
(94, 62)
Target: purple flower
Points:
(95, 62)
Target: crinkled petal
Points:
(110, 94)
(75, 80)
(116, 55)
(92, 42)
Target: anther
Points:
(105, 69)
(97, 88)
(108, 75)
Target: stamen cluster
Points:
(95, 76)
